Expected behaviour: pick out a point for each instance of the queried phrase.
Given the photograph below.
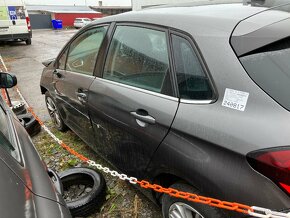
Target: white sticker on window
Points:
(235, 99)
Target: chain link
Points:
(241, 208)
(113, 173)
(267, 213)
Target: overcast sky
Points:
(79, 2)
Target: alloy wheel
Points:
(182, 210)
(53, 112)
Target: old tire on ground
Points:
(30, 124)
(54, 113)
(18, 107)
(175, 207)
(87, 199)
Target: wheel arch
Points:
(166, 180)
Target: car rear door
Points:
(132, 105)
(73, 77)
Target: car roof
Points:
(220, 18)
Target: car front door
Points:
(131, 106)
(73, 78)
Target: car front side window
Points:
(193, 84)
(138, 57)
(84, 49)
(62, 60)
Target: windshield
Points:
(269, 67)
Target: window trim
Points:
(145, 26)
(66, 47)
(168, 97)
(95, 61)
(202, 62)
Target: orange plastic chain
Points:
(5, 96)
(66, 147)
(241, 208)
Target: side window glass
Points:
(193, 84)
(139, 57)
(62, 60)
(84, 50)
(5, 140)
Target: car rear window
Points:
(269, 67)
(77, 20)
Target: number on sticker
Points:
(233, 105)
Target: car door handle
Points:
(145, 118)
(82, 97)
(58, 74)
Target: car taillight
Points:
(28, 23)
(274, 164)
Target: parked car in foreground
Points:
(26, 185)
(192, 98)
(81, 22)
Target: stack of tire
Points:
(26, 119)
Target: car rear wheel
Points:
(179, 208)
(54, 113)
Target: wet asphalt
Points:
(25, 61)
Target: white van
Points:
(14, 21)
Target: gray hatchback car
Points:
(193, 97)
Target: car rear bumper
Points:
(22, 36)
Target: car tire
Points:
(91, 201)
(172, 206)
(30, 124)
(54, 113)
(18, 107)
(28, 41)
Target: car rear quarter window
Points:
(269, 67)
(84, 49)
(193, 84)
(139, 57)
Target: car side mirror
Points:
(7, 80)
